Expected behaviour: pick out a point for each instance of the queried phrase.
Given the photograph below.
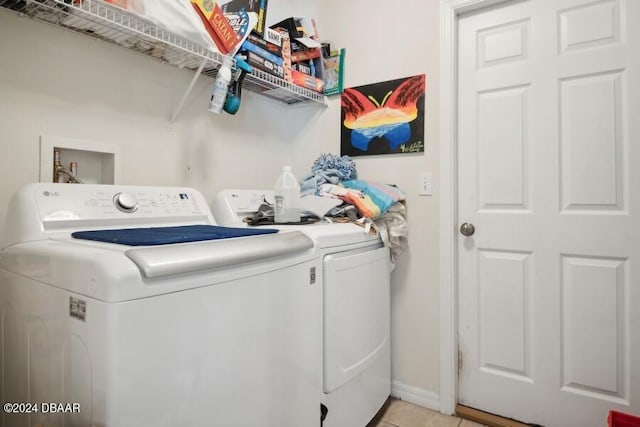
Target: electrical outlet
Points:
(425, 184)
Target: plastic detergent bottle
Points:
(287, 195)
(221, 86)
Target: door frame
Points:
(450, 11)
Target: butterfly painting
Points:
(384, 118)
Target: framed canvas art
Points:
(383, 118)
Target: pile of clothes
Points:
(370, 204)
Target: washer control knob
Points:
(126, 202)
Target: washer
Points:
(221, 332)
(356, 367)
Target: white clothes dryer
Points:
(213, 332)
(356, 360)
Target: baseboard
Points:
(416, 395)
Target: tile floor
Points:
(404, 414)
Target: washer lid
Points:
(160, 261)
(116, 273)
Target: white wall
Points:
(60, 83)
(384, 41)
(56, 82)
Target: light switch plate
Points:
(425, 184)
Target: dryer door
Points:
(356, 313)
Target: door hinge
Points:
(459, 361)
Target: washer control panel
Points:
(95, 202)
(42, 210)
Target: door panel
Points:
(548, 131)
(594, 321)
(504, 330)
(593, 174)
(502, 146)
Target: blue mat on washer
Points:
(166, 235)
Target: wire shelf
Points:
(107, 22)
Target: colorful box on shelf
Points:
(285, 45)
(218, 27)
(294, 26)
(274, 35)
(252, 47)
(305, 48)
(257, 6)
(267, 56)
(309, 61)
(305, 55)
(263, 64)
(302, 67)
(275, 49)
(334, 72)
(307, 81)
(300, 33)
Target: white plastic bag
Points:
(176, 16)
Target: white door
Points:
(548, 173)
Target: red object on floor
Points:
(619, 419)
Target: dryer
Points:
(216, 332)
(356, 268)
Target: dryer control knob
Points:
(126, 202)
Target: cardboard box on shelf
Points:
(306, 81)
(311, 63)
(305, 55)
(302, 67)
(274, 35)
(301, 34)
(334, 72)
(217, 25)
(257, 6)
(248, 46)
(275, 49)
(285, 44)
(263, 64)
(242, 23)
(293, 25)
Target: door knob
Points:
(467, 229)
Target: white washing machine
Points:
(356, 367)
(216, 332)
